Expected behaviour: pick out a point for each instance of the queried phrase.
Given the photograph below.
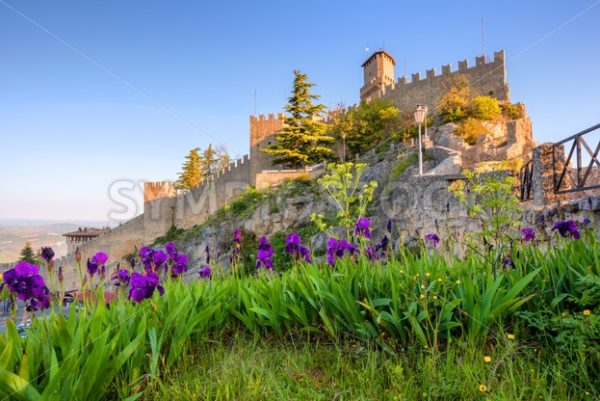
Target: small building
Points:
(81, 236)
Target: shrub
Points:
(453, 104)
(469, 130)
(514, 111)
(484, 108)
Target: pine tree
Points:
(214, 159)
(27, 254)
(191, 172)
(303, 140)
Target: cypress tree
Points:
(303, 140)
(27, 254)
(191, 173)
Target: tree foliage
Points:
(200, 164)
(191, 172)
(485, 108)
(453, 104)
(27, 254)
(303, 140)
(365, 126)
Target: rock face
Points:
(505, 140)
(414, 204)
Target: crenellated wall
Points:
(486, 78)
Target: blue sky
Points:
(150, 80)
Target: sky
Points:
(99, 96)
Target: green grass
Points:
(253, 370)
(417, 324)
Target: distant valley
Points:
(14, 234)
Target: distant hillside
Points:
(14, 235)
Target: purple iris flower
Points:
(180, 265)
(371, 253)
(294, 247)
(97, 263)
(160, 258)
(528, 234)
(100, 258)
(152, 259)
(362, 228)
(508, 262)
(121, 277)
(264, 254)
(567, 228)
(92, 267)
(236, 246)
(383, 244)
(171, 249)
(337, 249)
(41, 301)
(389, 226)
(205, 272)
(433, 238)
(25, 281)
(144, 285)
(47, 253)
(586, 221)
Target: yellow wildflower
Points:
(487, 359)
(423, 287)
(427, 275)
(587, 312)
(422, 296)
(458, 282)
(482, 388)
(510, 336)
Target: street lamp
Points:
(420, 114)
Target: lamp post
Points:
(420, 114)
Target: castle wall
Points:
(262, 134)
(271, 178)
(196, 205)
(485, 78)
(117, 243)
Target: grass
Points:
(416, 327)
(250, 369)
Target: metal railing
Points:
(526, 180)
(564, 182)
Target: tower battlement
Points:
(159, 189)
(486, 78)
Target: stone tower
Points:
(378, 73)
(262, 134)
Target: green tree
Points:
(27, 254)
(489, 198)
(363, 127)
(214, 159)
(191, 172)
(485, 108)
(303, 140)
(342, 184)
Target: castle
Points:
(166, 207)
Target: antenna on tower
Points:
(482, 48)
